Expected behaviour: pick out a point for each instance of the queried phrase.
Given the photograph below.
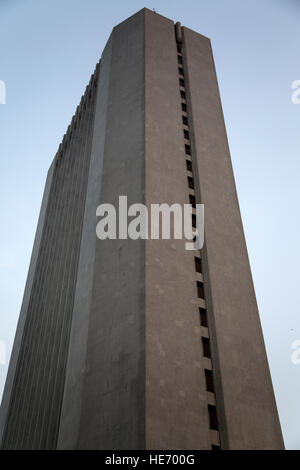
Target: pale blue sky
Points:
(48, 49)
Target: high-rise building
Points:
(141, 344)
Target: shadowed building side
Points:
(111, 382)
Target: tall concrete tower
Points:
(141, 344)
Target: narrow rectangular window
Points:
(179, 59)
(198, 265)
(203, 317)
(181, 82)
(200, 289)
(179, 48)
(190, 182)
(182, 94)
(213, 420)
(180, 71)
(183, 107)
(206, 347)
(185, 120)
(187, 149)
(209, 380)
(189, 165)
(186, 134)
(194, 221)
(192, 200)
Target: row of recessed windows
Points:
(212, 410)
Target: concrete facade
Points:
(117, 345)
(176, 402)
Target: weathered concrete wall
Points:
(113, 396)
(250, 409)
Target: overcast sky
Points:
(48, 49)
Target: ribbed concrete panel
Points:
(35, 402)
(112, 350)
(24, 309)
(250, 409)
